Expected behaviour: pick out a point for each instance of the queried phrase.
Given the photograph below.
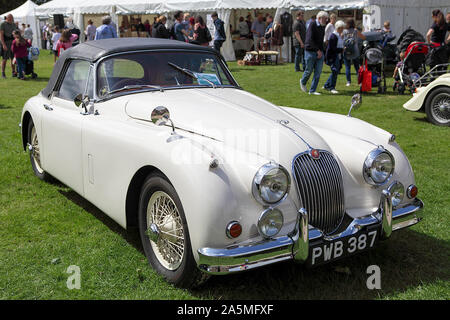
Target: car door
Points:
(62, 124)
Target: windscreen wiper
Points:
(136, 86)
(191, 74)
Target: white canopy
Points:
(401, 13)
(25, 14)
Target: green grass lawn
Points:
(46, 227)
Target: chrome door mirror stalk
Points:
(83, 102)
(356, 103)
(161, 116)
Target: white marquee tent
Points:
(401, 13)
(26, 14)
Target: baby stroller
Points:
(374, 58)
(412, 72)
(33, 55)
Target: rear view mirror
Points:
(81, 101)
(356, 103)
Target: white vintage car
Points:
(434, 99)
(158, 135)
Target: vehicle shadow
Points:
(409, 259)
(131, 235)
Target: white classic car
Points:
(434, 99)
(158, 135)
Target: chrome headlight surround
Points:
(260, 190)
(270, 223)
(397, 191)
(371, 159)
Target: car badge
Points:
(314, 153)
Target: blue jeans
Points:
(348, 66)
(312, 64)
(299, 56)
(335, 68)
(21, 63)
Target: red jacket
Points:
(20, 51)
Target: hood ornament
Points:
(314, 153)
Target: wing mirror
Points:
(356, 103)
(82, 101)
(161, 116)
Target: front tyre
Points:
(35, 153)
(437, 107)
(164, 233)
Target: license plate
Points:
(326, 251)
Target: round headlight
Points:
(378, 166)
(271, 184)
(270, 223)
(397, 191)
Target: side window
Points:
(116, 73)
(75, 80)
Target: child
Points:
(56, 36)
(19, 48)
(65, 41)
(397, 70)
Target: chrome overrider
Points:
(295, 245)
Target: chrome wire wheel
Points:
(164, 222)
(440, 109)
(35, 151)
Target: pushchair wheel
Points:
(401, 88)
(34, 75)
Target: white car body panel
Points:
(418, 99)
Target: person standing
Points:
(65, 41)
(258, 28)
(19, 48)
(329, 29)
(179, 29)
(299, 41)
(106, 30)
(56, 36)
(436, 34)
(90, 30)
(244, 30)
(351, 48)
(220, 35)
(202, 36)
(28, 33)
(159, 29)
(6, 37)
(312, 19)
(314, 53)
(333, 55)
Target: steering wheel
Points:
(125, 82)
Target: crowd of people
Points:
(323, 39)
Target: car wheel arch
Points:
(134, 191)
(24, 126)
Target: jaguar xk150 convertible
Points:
(159, 135)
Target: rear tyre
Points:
(165, 235)
(437, 107)
(35, 153)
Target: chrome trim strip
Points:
(260, 253)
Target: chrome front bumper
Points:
(296, 245)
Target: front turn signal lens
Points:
(234, 229)
(412, 191)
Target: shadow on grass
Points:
(3, 107)
(131, 235)
(408, 259)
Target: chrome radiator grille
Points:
(320, 187)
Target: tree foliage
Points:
(8, 5)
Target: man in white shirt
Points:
(329, 29)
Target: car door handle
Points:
(47, 107)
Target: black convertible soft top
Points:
(94, 50)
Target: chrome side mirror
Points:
(161, 116)
(82, 101)
(356, 103)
